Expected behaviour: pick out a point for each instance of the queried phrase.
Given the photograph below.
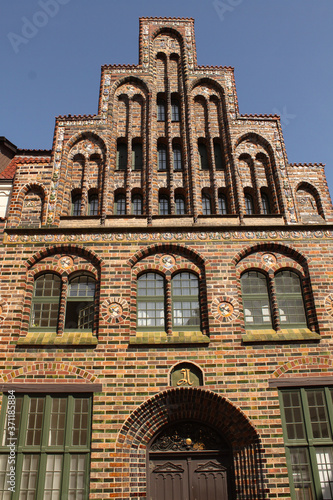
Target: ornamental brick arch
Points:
(63, 250)
(83, 136)
(23, 211)
(168, 248)
(191, 405)
(272, 247)
(47, 371)
(308, 201)
(309, 365)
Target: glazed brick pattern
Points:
(137, 400)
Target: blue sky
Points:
(281, 50)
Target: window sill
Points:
(79, 338)
(184, 337)
(288, 335)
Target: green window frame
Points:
(185, 301)
(45, 302)
(137, 204)
(290, 300)
(151, 302)
(256, 300)
(162, 158)
(206, 204)
(120, 204)
(53, 440)
(307, 421)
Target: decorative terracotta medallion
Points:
(65, 262)
(269, 259)
(167, 261)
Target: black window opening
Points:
(80, 304)
(162, 158)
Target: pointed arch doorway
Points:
(190, 461)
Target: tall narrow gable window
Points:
(177, 158)
(121, 156)
(162, 158)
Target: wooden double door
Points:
(199, 476)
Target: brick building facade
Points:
(166, 297)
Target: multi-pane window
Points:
(177, 158)
(185, 301)
(120, 204)
(160, 110)
(137, 156)
(45, 302)
(52, 448)
(265, 204)
(203, 157)
(164, 205)
(137, 204)
(206, 204)
(180, 205)
(93, 204)
(162, 158)
(76, 205)
(121, 156)
(80, 304)
(258, 303)
(175, 115)
(290, 299)
(249, 207)
(307, 417)
(152, 301)
(223, 209)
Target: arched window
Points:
(223, 210)
(206, 204)
(120, 204)
(177, 158)
(162, 158)
(180, 205)
(185, 301)
(45, 302)
(137, 156)
(175, 115)
(93, 204)
(121, 156)
(290, 300)
(151, 302)
(265, 204)
(256, 302)
(160, 110)
(249, 207)
(279, 306)
(164, 205)
(137, 204)
(203, 157)
(76, 205)
(80, 303)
